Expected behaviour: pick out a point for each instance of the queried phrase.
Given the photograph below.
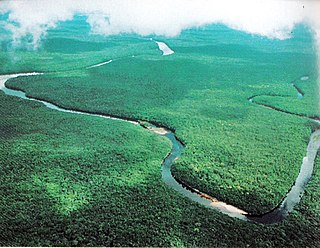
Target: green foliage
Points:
(291, 101)
(237, 151)
(71, 180)
(119, 198)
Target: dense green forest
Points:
(79, 180)
(237, 151)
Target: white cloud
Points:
(271, 18)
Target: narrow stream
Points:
(274, 216)
(299, 91)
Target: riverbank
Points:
(274, 216)
(117, 205)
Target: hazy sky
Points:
(270, 18)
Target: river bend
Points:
(274, 216)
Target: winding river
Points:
(274, 216)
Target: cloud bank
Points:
(270, 18)
(274, 19)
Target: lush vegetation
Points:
(289, 99)
(77, 180)
(237, 151)
(71, 180)
(68, 48)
